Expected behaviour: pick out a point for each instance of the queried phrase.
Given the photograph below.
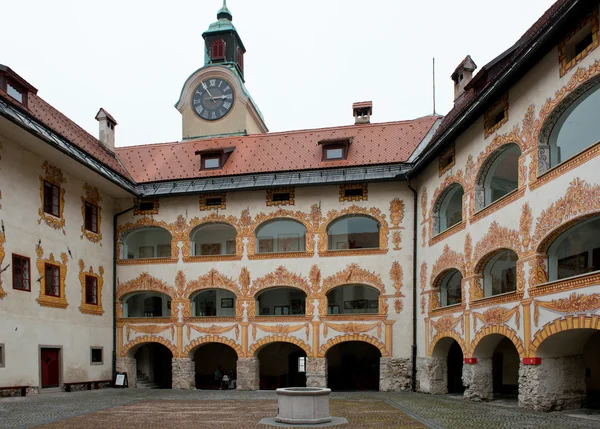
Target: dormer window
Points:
(14, 91)
(335, 150)
(217, 51)
(447, 159)
(211, 161)
(214, 159)
(15, 86)
(576, 45)
(496, 115)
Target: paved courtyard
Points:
(137, 408)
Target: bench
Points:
(23, 389)
(88, 384)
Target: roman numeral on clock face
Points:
(213, 99)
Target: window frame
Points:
(218, 46)
(90, 223)
(448, 153)
(54, 287)
(240, 59)
(566, 64)
(88, 280)
(490, 124)
(15, 276)
(18, 88)
(96, 348)
(210, 156)
(286, 202)
(334, 146)
(54, 197)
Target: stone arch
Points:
(280, 277)
(354, 337)
(191, 347)
(145, 222)
(504, 330)
(258, 345)
(447, 334)
(212, 218)
(353, 274)
(568, 323)
(211, 280)
(146, 339)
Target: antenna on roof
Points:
(434, 86)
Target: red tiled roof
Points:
(287, 151)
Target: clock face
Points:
(213, 99)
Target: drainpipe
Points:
(413, 379)
(115, 238)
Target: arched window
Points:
(353, 232)
(146, 243)
(502, 175)
(147, 304)
(217, 50)
(214, 239)
(450, 288)
(213, 302)
(281, 235)
(576, 251)
(577, 128)
(353, 299)
(448, 209)
(281, 301)
(500, 274)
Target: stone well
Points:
(303, 405)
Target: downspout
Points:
(413, 379)
(115, 238)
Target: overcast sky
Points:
(307, 60)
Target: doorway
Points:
(50, 367)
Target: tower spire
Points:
(224, 12)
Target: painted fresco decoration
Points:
(397, 209)
(54, 176)
(92, 195)
(397, 277)
(497, 316)
(90, 308)
(575, 303)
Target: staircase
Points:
(143, 382)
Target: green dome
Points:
(223, 23)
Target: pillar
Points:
(432, 375)
(557, 383)
(316, 372)
(478, 379)
(184, 373)
(129, 366)
(248, 374)
(394, 374)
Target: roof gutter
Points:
(426, 156)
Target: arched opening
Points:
(502, 175)
(500, 273)
(448, 362)
(353, 365)
(154, 366)
(147, 243)
(353, 299)
(282, 365)
(213, 302)
(216, 366)
(281, 301)
(451, 288)
(281, 236)
(147, 304)
(503, 358)
(213, 239)
(576, 251)
(576, 129)
(455, 362)
(448, 209)
(353, 232)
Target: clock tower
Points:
(214, 100)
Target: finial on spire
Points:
(224, 12)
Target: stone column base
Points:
(184, 374)
(556, 384)
(316, 372)
(478, 380)
(248, 374)
(432, 375)
(394, 374)
(128, 365)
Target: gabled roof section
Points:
(372, 144)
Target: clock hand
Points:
(205, 88)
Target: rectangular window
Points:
(21, 273)
(446, 160)
(2, 361)
(281, 196)
(91, 217)
(334, 153)
(51, 199)
(211, 202)
(96, 356)
(52, 280)
(91, 290)
(146, 206)
(164, 250)
(212, 162)
(355, 192)
(302, 364)
(14, 92)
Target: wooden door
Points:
(50, 367)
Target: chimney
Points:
(107, 129)
(362, 112)
(462, 76)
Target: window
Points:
(450, 289)
(447, 159)
(217, 51)
(500, 274)
(576, 251)
(211, 162)
(147, 304)
(281, 235)
(578, 43)
(214, 239)
(240, 59)
(576, 129)
(334, 152)
(15, 92)
(91, 217)
(281, 301)
(448, 209)
(51, 199)
(214, 302)
(96, 356)
(164, 250)
(353, 232)
(353, 299)
(280, 197)
(502, 176)
(496, 115)
(21, 273)
(52, 280)
(212, 201)
(146, 207)
(302, 364)
(354, 192)
(2, 358)
(147, 243)
(91, 290)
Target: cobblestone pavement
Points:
(138, 408)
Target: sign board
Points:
(121, 380)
